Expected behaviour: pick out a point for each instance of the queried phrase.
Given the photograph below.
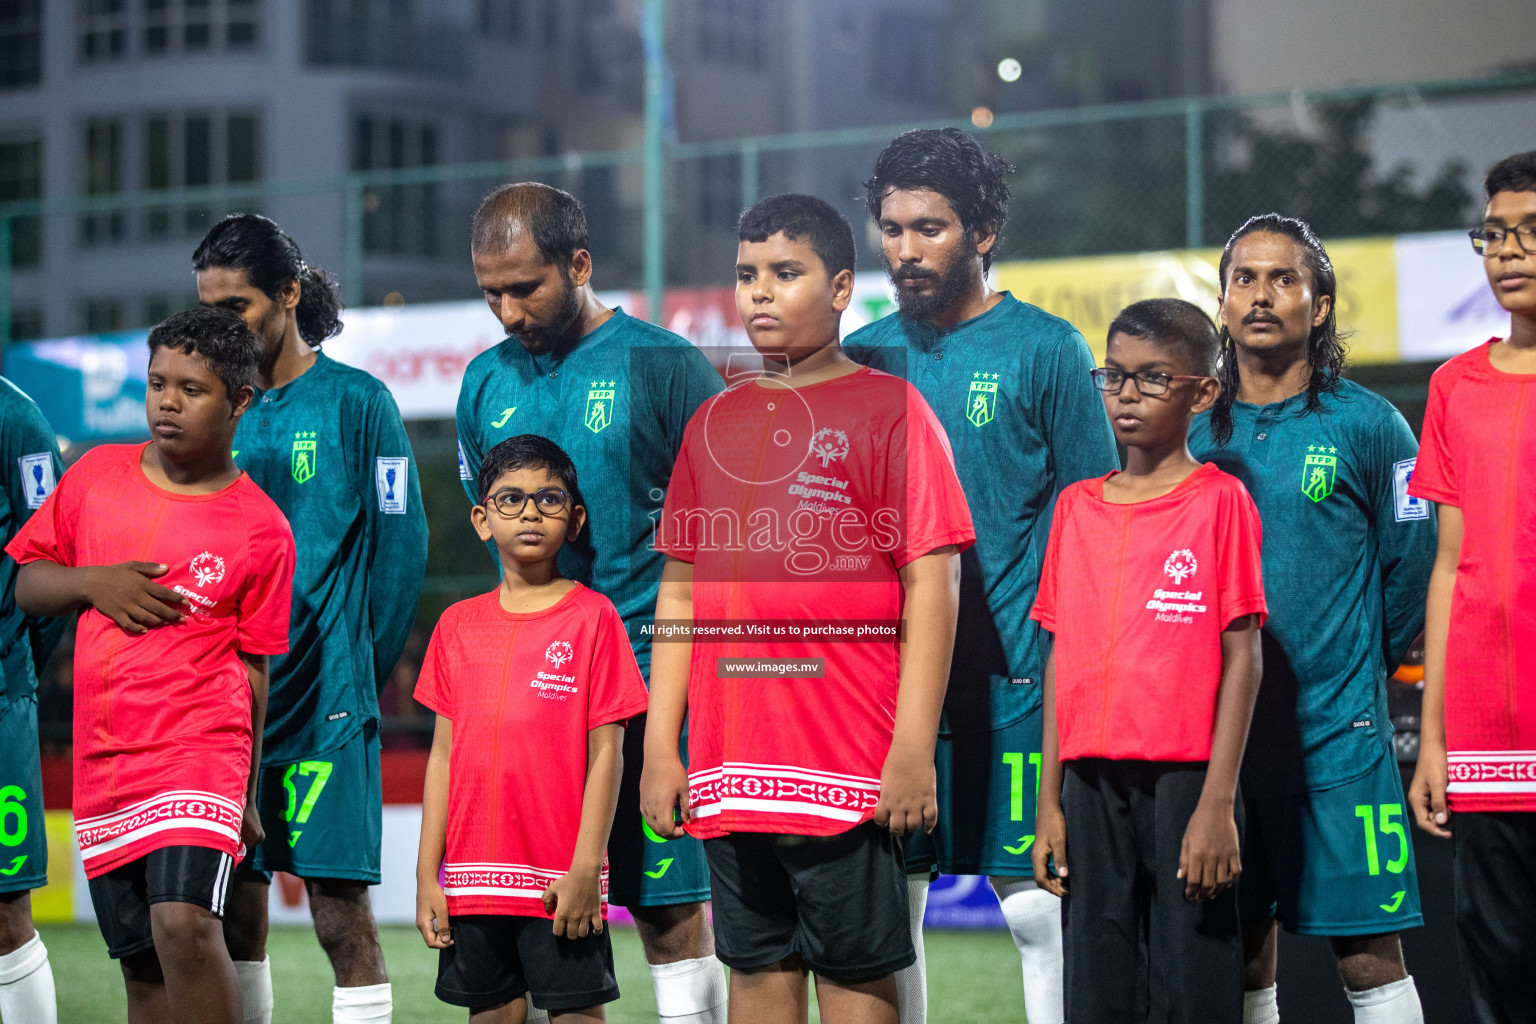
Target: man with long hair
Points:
(1347, 554)
(325, 441)
(1010, 384)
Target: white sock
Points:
(912, 982)
(365, 1004)
(536, 1015)
(1259, 1007)
(255, 978)
(690, 991)
(26, 985)
(1034, 921)
(1396, 1002)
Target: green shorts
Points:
(645, 870)
(324, 817)
(1332, 862)
(23, 838)
(988, 783)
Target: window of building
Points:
(720, 190)
(907, 51)
(103, 167)
(21, 43)
(101, 315)
(503, 19)
(199, 26)
(399, 220)
(26, 323)
(21, 178)
(192, 150)
(157, 308)
(103, 30)
(731, 32)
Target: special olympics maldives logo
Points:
(207, 568)
(1180, 566)
(559, 653)
(829, 444)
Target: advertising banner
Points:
(1444, 304)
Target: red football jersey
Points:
(1478, 453)
(163, 720)
(522, 690)
(1137, 597)
(797, 507)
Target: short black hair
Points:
(953, 164)
(220, 337)
(1176, 324)
(801, 218)
(1512, 174)
(528, 451)
(257, 247)
(552, 216)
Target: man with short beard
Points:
(615, 393)
(1010, 384)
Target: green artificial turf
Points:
(972, 977)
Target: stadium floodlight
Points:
(1009, 69)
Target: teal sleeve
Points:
(1405, 537)
(397, 549)
(469, 445)
(1075, 424)
(33, 435)
(693, 383)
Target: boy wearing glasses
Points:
(1153, 593)
(532, 684)
(1476, 777)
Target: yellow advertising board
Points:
(55, 902)
(1089, 291)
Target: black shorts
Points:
(173, 874)
(840, 902)
(1495, 877)
(495, 958)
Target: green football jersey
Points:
(329, 448)
(30, 465)
(1011, 387)
(1347, 556)
(617, 402)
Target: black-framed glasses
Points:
(550, 501)
(1486, 240)
(1148, 382)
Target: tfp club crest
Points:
(303, 456)
(982, 400)
(1318, 472)
(600, 397)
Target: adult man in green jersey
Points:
(326, 443)
(29, 467)
(1347, 557)
(1010, 384)
(615, 392)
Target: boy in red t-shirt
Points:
(181, 568)
(532, 684)
(1153, 593)
(1476, 776)
(813, 527)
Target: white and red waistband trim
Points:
(104, 834)
(781, 789)
(507, 881)
(1491, 771)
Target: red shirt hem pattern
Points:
(513, 890)
(185, 818)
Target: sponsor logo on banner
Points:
(392, 476)
(37, 477)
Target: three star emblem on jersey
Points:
(558, 653)
(1319, 471)
(982, 399)
(829, 445)
(599, 413)
(303, 456)
(207, 568)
